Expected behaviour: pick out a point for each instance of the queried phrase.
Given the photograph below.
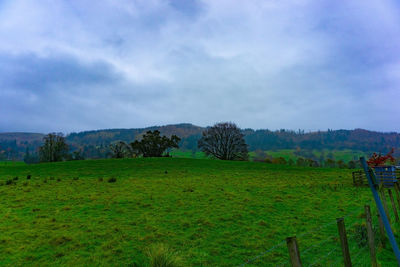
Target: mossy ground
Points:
(212, 213)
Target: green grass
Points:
(208, 212)
(176, 153)
(12, 163)
(345, 155)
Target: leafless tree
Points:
(224, 141)
(54, 148)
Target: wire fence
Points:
(321, 246)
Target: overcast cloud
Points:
(82, 65)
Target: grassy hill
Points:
(211, 213)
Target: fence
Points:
(351, 240)
(360, 179)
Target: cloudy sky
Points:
(80, 65)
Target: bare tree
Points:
(224, 141)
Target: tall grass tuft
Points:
(161, 255)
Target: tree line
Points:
(96, 144)
(222, 141)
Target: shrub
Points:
(76, 178)
(15, 178)
(160, 255)
(28, 177)
(112, 180)
(10, 182)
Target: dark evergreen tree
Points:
(153, 144)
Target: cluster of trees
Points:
(95, 144)
(358, 139)
(222, 141)
(13, 150)
(361, 140)
(152, 144)
(13, 146)
(55, 148)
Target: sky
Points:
(76, 65)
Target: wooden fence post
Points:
(396, 190)
(396, 215)
(385, 207)
(381, 231)
(294, 252)
(371, 238)
(343, 242)
(382, 212)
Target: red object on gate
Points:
(379, 160)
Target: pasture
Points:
(211, 213)
(344, 155)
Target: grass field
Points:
(345, 155)
(211, 213)
(188, 154)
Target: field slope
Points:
(212, 213)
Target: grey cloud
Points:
(61, 93)
(72, 65)
(32, 73)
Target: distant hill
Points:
(13, 146)
(100, 137)
(21, 137)
(94, 144)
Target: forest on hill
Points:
(95, 144)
